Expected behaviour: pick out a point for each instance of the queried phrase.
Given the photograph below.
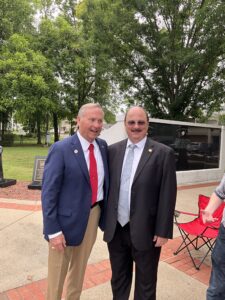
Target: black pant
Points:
(122, 255)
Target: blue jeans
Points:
(216, 290)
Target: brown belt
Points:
(96, 203)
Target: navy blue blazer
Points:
(66, 190)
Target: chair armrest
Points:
(213, 227)
(177, 213)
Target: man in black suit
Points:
(151, 197)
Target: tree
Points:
(15, 17)
(168, 55)
(74, 59)
(26, 84)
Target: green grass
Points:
(18, 162)
(20, 140)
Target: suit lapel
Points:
(146, 155)
(79, 156)
(103, 151)
(119, 162)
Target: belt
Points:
(96, 203)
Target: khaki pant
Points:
(71, 262)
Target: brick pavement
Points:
(100, 273)
(97, 273)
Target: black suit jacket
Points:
(153, 193)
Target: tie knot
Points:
(132, 146)
(91, 147)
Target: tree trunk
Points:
(55, 126)
(38, 130)
(4, 120)
(1, 128)
(71, 127)
(46, 129)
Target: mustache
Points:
(136, 130)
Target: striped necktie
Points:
(124, 205)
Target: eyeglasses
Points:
(132, 123)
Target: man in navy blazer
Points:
(140, 222)
(71, 216)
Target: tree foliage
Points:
(26, 82)
(168, 55)
(15, 17)
(82, 75)
(56, 55)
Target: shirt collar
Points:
(84, 143)
(139, 144)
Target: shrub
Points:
(8, 139)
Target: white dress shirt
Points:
(100, 167)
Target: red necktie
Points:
(93, 173)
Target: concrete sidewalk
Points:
(23, 256)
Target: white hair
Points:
(84, 107)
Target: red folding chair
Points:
(195, 234)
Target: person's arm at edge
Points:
(207, 213)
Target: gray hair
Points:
(87, 106)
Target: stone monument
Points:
(37, 173)
(4, 182)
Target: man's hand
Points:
(207, 213)
(58, 243)
(159, 241)
(207, 217)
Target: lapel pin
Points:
(75, 151)
(150, 150)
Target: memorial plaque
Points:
(39, 164)
(196, 147)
